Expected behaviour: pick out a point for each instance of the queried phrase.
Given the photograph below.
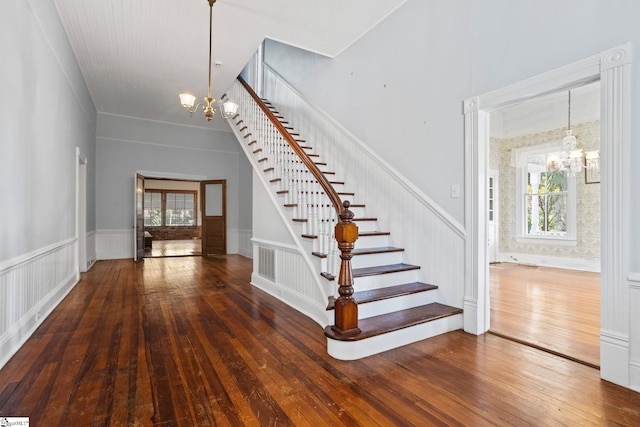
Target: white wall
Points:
(126, 145)
(45, 113)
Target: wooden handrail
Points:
(317, 174)
(346, 232)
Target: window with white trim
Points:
(546, 198)
(169, 208)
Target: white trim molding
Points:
(613, 69)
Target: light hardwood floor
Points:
(188, 341)
(165, 248)
(552, 308)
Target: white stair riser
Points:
(372, 260)
(383, 280)
(372, 242)
(377, 308)
(367, 225)
(352, 350)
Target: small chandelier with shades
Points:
(573, 159)
(228, 108)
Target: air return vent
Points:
(267, 263)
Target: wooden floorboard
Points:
(188, 341)
(550, 308)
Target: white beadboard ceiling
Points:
(137, 55)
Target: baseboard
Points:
(548, 261)
(614, 358)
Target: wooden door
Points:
(138, 241)
(214, 217)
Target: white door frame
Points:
(81, 213)
(613, 69)
(494, 229)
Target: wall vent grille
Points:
(267, 263)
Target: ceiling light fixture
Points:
(228, 108)
(572, 158)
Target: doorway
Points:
(167, 215)
(613, 69)
(544, 288)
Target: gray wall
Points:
(45, 113)
(126, 145)
(400, 87)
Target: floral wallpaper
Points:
(587, 201)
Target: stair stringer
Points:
(305, 302)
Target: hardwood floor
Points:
(551, 308)
(187, 341)
(165, 248)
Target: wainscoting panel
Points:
(33, 285)
(114, 244)
(280, 270)
(91, 249)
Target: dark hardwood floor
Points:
(551, 308)
(187, 341)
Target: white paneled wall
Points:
(114, 244)
(34, 284)
(292, 282)
(431, 237)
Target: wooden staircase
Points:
(393, 307)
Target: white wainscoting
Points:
(293, 281)
(634, 307)
(31, 286)
(114, 244)
(91, 249)
(245, 247)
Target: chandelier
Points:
(228, 108)
(572, 158)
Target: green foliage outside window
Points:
(546, 198)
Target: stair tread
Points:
(363, 297)
(378, 325)
(383, 269)
(379, 250)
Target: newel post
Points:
(346, 308)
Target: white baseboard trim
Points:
(549, 261)
(634, 375)
(614, 358)
(295, 300)
(470, 310)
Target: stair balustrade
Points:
(306, 189)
